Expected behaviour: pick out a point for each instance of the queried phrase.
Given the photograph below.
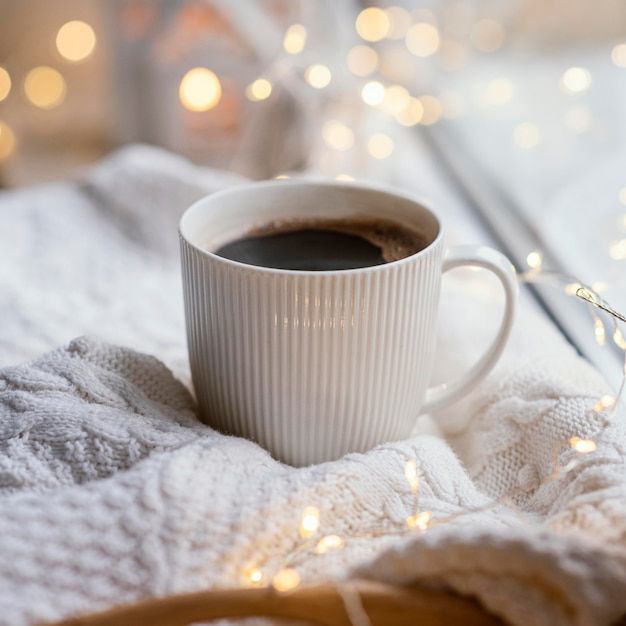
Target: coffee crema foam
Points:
(395, 241)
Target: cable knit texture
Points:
(112, 490)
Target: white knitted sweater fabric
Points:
(112, 490)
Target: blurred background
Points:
(521, 101)
(267, 86)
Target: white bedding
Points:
(111, 490)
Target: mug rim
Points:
(320, 183)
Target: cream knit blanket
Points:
(111, 490)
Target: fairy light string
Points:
(312, 542)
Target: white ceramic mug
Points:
(315, 364)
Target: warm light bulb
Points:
(362, 60)
(605, 402)
(337, 135)
(5, 84)
(410, 473)
(318, 76)
(7, 142)
(410, 470)
(372, 24)
(200, 89)
(286, 579)
(432, 110)
(254, 576)
(75, 40)
(411, 114)
(618, 339)
(617, 250)
(396, 99)
(622, 195)
(575, 80)
(260, 89)
(373, 93)
(419, 521)
(499, 91)
(534, 260)
(295, 39)
(599, 331)
(584, 446)
(422, 39)
(328, 543)
(380, 146)
(310, 522)
(45, 87)
(618, 55)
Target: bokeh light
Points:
(411, 114)
(499, 91)
(260, 89)
(200, 89)
(432, 110)
(396, 99)
(286, 579)
(318, 76)
(5, 84)
(373, 24)
(44, 87)
(310, 522)
(337, 135)
(295, 39)
(7, 142)
(575, 80)
(373, 93)
(422, 39)
(75, 40)
(618, 55)
(362, 60)
(328, 543)
(617, 250)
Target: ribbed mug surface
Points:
(311, 365)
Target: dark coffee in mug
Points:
(318, 244)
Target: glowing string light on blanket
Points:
(287, 578)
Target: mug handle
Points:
(496, 262)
